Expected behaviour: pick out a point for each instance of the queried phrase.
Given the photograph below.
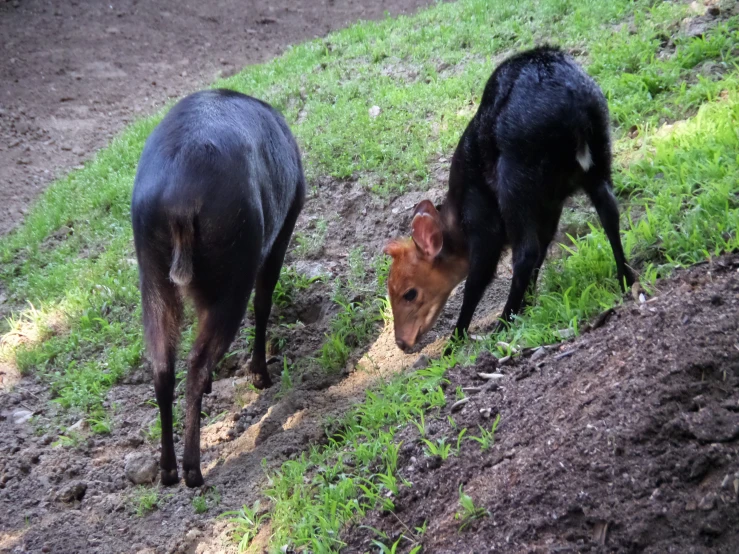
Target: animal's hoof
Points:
(194, 479)
(262, 380)
(170, 477)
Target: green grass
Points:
(143, 500)
(206, 500)
(678, 188)
(469, 512)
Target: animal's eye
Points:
(410, 296)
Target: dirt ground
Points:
(625, 439)
(649, 467)
(72, 74)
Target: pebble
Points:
(422, 362)
(708, 502)
(193, 534)
(141, 468)
(22, 416)
(374, 111)
(538, 354)
(73, 491)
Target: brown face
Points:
(419, 282)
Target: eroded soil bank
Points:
(625, 439)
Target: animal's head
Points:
(421, 277)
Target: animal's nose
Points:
(401, 344)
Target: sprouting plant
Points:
(469, 512)
(199, 504)
(421, 426)
(487, 438)
(459, 440)
(440, 448)
(203, 502)
(101, 423)
(247, 523)
(286, 380)
(144, 500)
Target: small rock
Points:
(565, 333)
(193, 534)
(422, 362)
(113, 30)
(486, 412)
(78, 427)
(708, 502)
(374, 111)
(77, 151)
(656, 494)
(22, 416)
(141, 468)
(538, 354)
(74, 491)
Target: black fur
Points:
(218, 189)
(517, 163)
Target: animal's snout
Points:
(401, 344)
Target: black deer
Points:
(218, 189)
(540, 134)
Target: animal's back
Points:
(224, 161)
(541, 105)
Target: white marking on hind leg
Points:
(584, 158)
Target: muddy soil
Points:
(72, 74)
(625, 439)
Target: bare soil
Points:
(625, 439)
(72, 74)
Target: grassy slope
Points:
(426, 74)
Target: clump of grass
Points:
(247, 522)
(439, 448)
(351, 327)
(143, 500)
(206, 500)
(486, 438)
(309, 245)
(469, 512)
(291, 282)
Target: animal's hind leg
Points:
(605, 204)
(162, 310)
(217, 326)
(523, 228)
(265, 286)
(547, 230)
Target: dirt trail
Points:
(72, 74)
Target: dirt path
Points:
(72, 74)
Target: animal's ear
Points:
(427, 234)
(425, 207)
(393, 248)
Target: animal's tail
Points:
(183, 234)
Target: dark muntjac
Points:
(541, 133)
(218, 189)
